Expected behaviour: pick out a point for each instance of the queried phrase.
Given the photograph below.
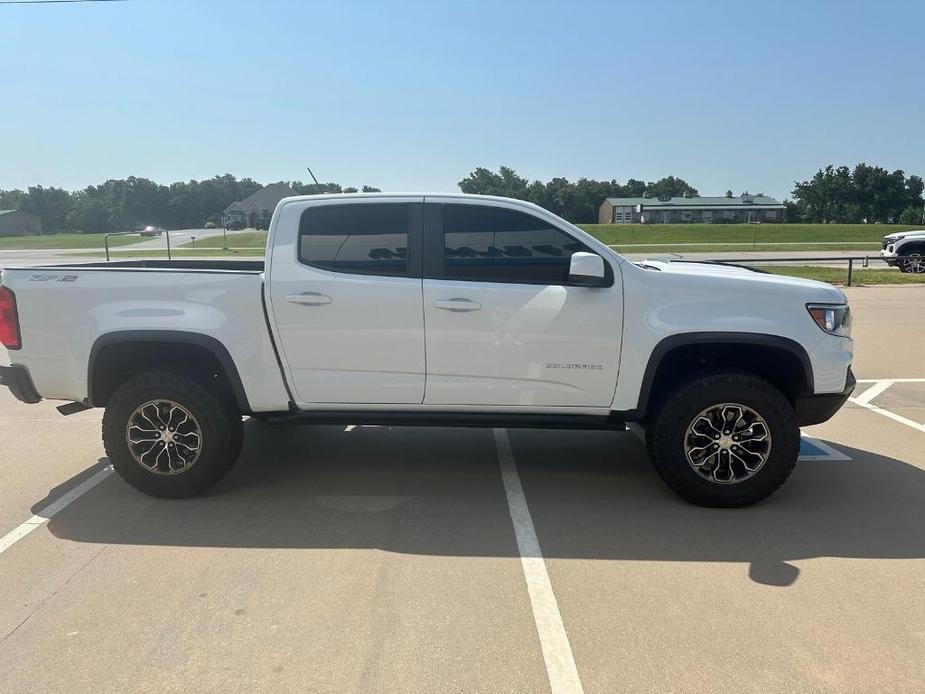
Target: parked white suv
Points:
(446, 310)
(905, 249)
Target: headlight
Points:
(834, 319)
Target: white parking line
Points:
(892, 380)
(877, 389)
(557, 652)
(40, 518)
(890, 415)
(880, 385)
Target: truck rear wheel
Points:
(169, 436)
(724, 439)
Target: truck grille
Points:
(886, 242)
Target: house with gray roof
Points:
(17, 223)
(255, 210)
(710, 210)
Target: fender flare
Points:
(666, 345)
(210, 344)
(910, 246)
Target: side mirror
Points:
(586, 270)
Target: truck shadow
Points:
(593, 495)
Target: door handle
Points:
(458, 304)
(309, 299)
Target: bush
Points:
(911, 215)
(209, 225)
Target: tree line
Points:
(577, 202)
(125, 204)
(834, 194)
(865, 194)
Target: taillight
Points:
(9, 321)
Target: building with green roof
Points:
(678, 210)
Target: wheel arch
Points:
(113, 358)
(782, 361)
(914, 246)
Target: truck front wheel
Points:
(913, 263)
(724, 439)
(169, 436)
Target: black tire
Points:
(222, 433)
(667, 429)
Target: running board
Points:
(72, 408)
(448, 419)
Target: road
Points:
(366, 559)
(179, 237)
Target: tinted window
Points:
(491, 244)
(360, 239)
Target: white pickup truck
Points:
(450, 310)
(905, 249)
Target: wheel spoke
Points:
(145, 414)
(756, 432)
(702, 422)
(144, 455)
(710, 459)
(189, 441)
(750, 459)
(150, 457)
(138, 435)
(732, 415)
(698, 449)
(181, 415)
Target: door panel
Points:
(526, 345)
(503, 325)
(346, 333)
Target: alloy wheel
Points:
(913, 263)
(164, 437)
(727, 443)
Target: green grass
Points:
(839, 275)
(243, 239)
(63, 241)
(617, 234)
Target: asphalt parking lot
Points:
(411, 559)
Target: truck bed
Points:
(67, 313)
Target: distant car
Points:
(905, 249)
(151, 231)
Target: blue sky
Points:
(412, 96)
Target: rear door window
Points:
(357, 239)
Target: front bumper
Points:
(889, 256)
(18, 380)
(815, 409)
